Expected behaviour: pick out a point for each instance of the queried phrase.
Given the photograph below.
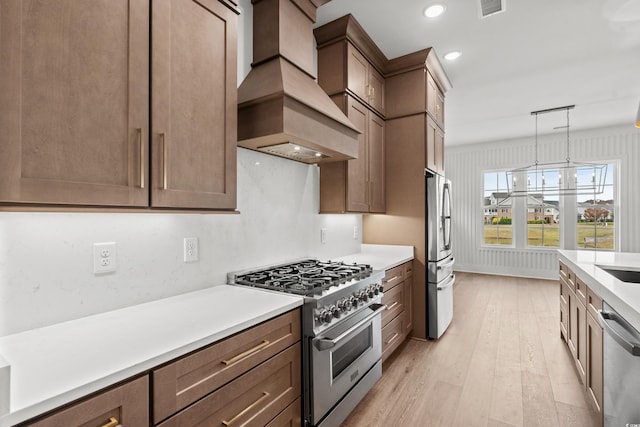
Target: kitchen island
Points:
(624, 297)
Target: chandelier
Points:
(556, 178)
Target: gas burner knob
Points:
(372, 293)
(353, 301)
(376, 289)
(344, 305)
(363, 296)
(336, 312)
(325, 316)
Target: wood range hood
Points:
(281, 109)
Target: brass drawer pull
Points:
(392, 279)
(113, 422)
(246, 353)
(164, 162)
(392, 339)
(247, 409)
(392, 305)
(141, 158)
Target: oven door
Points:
(341, 356)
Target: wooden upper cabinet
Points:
(356, 185)
(413, 92)
(194, 104)
(74, 99)
(434, 149)
(435, 101)
(75, 102)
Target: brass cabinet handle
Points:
(246, 353)
(141, 157)
(392, 305)
(164, 162)
(392, 339)
(392, 279)
(247, 409)
(113, 422)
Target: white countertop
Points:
(380, 257)
(622, 296)
(55, 365)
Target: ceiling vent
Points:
(491, 7)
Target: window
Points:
(535, 220)
(497, 210)
(596, 215)
(543, 209)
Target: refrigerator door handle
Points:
(450, 282)
(446, 219)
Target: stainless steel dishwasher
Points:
(621, 354)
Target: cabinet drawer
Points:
(392, 336)
(581, 290)
(186, 380)
(594, 303)
(290, 417)
(394, 300)
(254, 398)
(126, 405)
(392, 277)
(408, 269)
(567, 275)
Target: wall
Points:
(46, 270)
(465, 165)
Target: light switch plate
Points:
(323, 236)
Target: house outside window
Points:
(497, 209)
(596, 215)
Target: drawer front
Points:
(392, 277)
(594, 303)
(126, 405)
(290, 417)
(581, 290)
(564, 314)
(567, 275)
(186, 380)
(408, 269)
(392, 336)
(254, 398)
(394, 300)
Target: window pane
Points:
(497, 209)
(596, 216)
(543, 209)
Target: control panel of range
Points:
(325, 314)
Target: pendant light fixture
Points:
(556, 178)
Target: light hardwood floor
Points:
(500, 363)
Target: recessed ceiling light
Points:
(452, 55)
(434, 11)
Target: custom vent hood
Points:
(281, 108)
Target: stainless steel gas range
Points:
(341, 324)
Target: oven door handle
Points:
(326, 343)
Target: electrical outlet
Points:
(323, 236)
(355, 232)
(104, 257)
(191, 253)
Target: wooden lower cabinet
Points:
(397, 318)
(290, 417)
(255, 398)
(580, 328)
(126, 405)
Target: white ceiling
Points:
(538, 54)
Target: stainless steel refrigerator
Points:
(440, 260)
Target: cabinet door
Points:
(126, 405)
(439, 150)
(376, 90)
(194, 111)
(408, 297)
(357, 72)
(594, 363)
(357, 183)
(74, 102)
(431, 160)
(377, 198)
(435, 101)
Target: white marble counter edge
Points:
(380, 257)
(144, 365)
(606, 287)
